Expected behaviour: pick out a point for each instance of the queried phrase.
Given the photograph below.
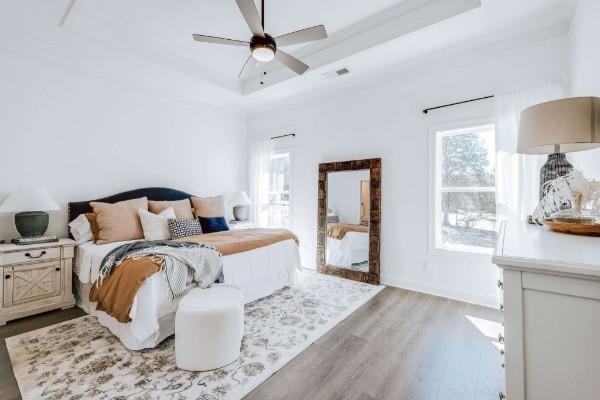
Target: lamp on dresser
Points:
(30, 203)
(558, 127)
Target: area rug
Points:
(80, 359)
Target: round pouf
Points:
(209, 326)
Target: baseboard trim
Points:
(480, 299)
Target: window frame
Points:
(278, 150)
(435, 195)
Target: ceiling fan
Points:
(263, 46)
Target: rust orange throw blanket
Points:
(116, 293)
(338, 231)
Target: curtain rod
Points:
(425, 111)
(282, 136)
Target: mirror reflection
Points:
(348, 212)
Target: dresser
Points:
(551, 302)
(35, 278)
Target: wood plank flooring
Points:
(400, 345)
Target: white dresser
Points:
(551, 290)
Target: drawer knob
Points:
(30, 256)
(501, 307)
(501, 396)
(7, 276)
(500, 284)
(57, 268)
(501, 352)
(500, 338)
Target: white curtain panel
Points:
(260, 164)
(517, 175)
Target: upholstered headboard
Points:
(154, 193)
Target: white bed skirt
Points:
(258, 273)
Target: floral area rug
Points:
(80, 359)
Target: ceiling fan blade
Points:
(219, 40)
(302, 36)
(250, 14)
(291, 62)
(248, 65)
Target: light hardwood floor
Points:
(401, 345)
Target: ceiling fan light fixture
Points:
(263, 54)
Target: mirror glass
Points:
(348, 213)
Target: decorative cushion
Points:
(209, 206)
(119, 221)
(333, 219)
(155, 226)
(214, 224)
(182, 208)
(80, 229)
(93, 220)
(180, 228)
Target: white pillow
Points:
(80, 229)
(155, 226)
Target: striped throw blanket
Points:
(181, 262)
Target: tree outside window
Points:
(465, 204)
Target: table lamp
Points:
(30, 203)
(558, 127)
(240, 203)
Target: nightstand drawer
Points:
(33, 282)
(17, 257)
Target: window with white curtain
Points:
(464, 189)
(279, 197)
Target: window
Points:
(279, 190)
(464, 204)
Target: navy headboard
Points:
(154, 193)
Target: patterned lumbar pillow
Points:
(180, 228)
(333, 219)
(156, 226)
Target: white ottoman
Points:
(209, 326)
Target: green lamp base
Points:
(32, 223)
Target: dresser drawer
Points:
(17, 257)
(26, 283)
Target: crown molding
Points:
(222, 109)
(553, 24)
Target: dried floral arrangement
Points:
(572, 189)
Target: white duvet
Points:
(257, 273)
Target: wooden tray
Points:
(573, 228)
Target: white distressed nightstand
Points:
(234, 225)
(35, 278)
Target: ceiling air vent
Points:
(335, 74)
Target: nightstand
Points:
(36, 278)
(235, 225)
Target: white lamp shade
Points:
(29, 198)
(240, 199)
(573, 123)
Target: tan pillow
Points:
(93, 220)
(208, 207)
(182, 208)
(119, 221)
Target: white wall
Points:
(343, 194)
(585, 71)
(82, 138)
(383, 118)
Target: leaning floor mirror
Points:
(349, 216)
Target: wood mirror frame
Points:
(374, 166)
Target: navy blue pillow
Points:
(213, 224)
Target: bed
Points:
(258, 273)
(347, 244)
